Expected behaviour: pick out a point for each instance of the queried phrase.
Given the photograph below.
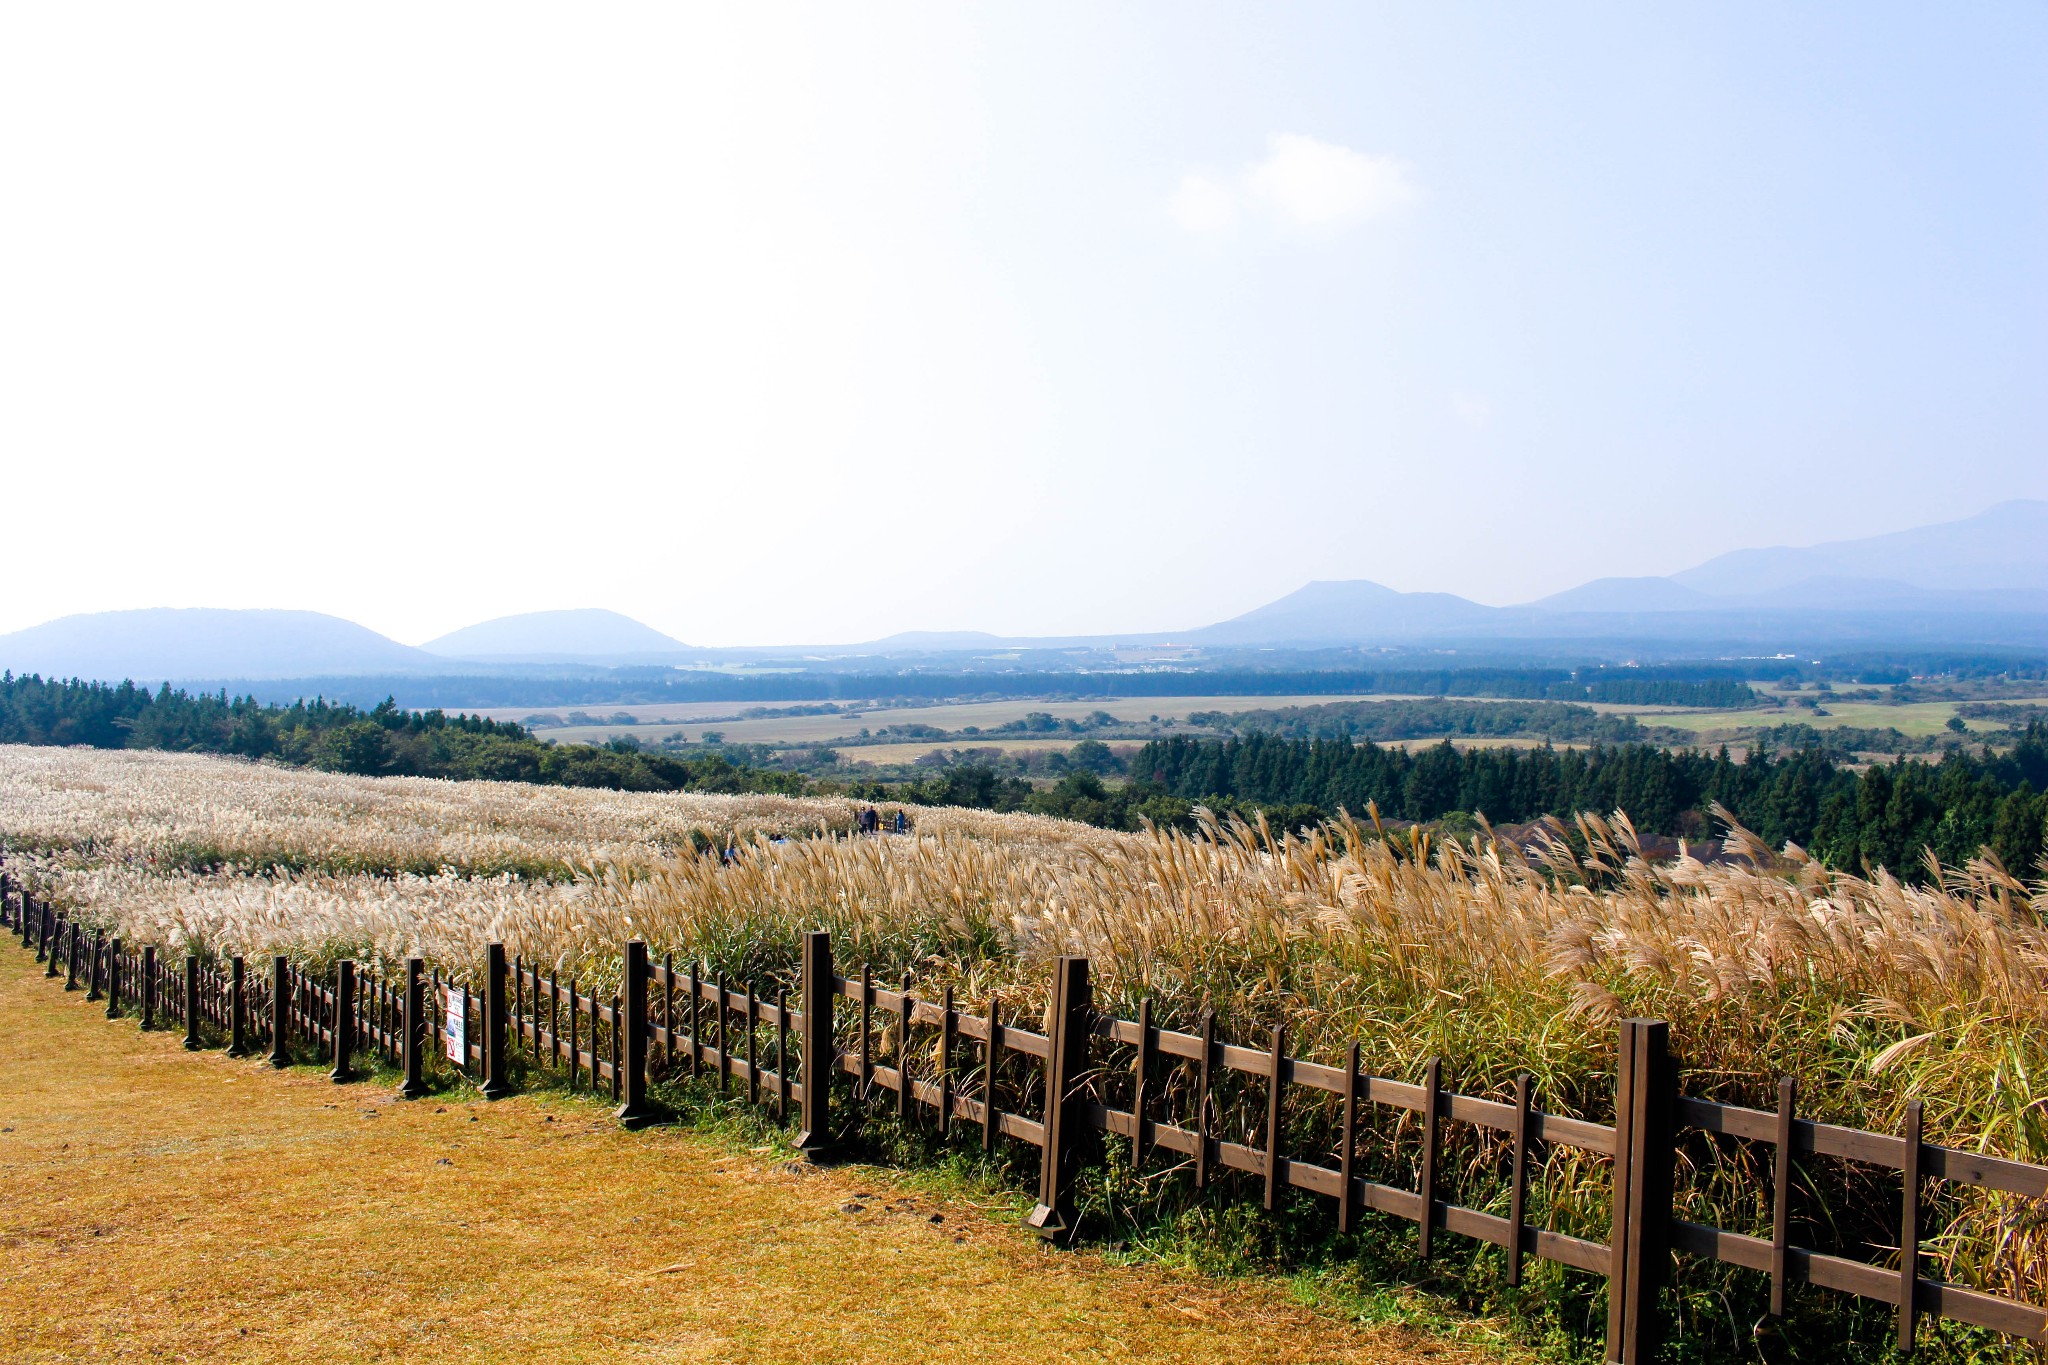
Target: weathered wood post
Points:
(114, 979)
(92, 973)
(56, 936)
(344, 1016)
(816, 1054)
(636, 1111)
(280, 1011)
(1909, 1231)
(496, 1084)
(696, 991)
(148, 987)
(415, 1029)
(1645, 1153)
(238, 1009)
(44, 927)
(519, 1001)
(668, 1014)
(71, 957)
(192, 1002)
(1066, 1059)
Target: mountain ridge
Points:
(573, 635)
(1976, 580)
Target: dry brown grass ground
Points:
(156, 1204)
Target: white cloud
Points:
(1202, 205)
(1325, 188)
(1303, 184)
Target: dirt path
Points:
(160, 1204)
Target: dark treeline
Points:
(382, 741)
(1718, 693)
(1884, 815)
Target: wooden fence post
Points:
(415, 1029)
(1909, 1232)
(668, 1012)
(280, 1011)
(56, 936)
(42, 934)
(238, 1009)
(148, 987)
(92, 974)
(1066, 1059)
(816, 1054)
(1644, 1161)
(114, 979)
(344, 1015)
(636, 1111)
(496, 1085)
(192, 1002)
(519, 1001)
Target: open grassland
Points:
(156, 1204)
(1868, 991)
(1918, 719)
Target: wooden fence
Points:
(1002, 1082)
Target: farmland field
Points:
(656, 722)
(1868, 991)
(1916, 719)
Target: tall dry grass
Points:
(1499, 960)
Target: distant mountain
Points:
(2004, 548)
(1625, 594)
(1348, 612)
(589, 635)
(175, 644)
(1981, 579)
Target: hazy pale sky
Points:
(767, 323)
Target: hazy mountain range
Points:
(1982, 580)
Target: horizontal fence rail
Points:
(964, 1070)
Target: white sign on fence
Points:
(456, 1033)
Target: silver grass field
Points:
(1868, 990)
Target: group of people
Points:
(870, 822)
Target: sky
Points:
(768, 324)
